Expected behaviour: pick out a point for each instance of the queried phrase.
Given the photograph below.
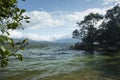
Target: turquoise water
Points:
(57, 59)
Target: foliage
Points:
(106, 35)
(87, 29)
(11, 18)
(110, 28)
(76, 33)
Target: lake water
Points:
(57, 62)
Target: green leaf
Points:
(3, 39)
(27, 17)
(18, 43)
(8, 33)
(11, 42)
(15, 25)
(17, 9)
(27, 21)
(12, 25)
(4, 62)
(11, 17)
(9, 26)
(13, 1)
(2, 49)
(7, 53)
(25, 41)
(19, 56)
(22, 48)
(22, 11)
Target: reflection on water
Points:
(56, 59)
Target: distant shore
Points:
(96, 47)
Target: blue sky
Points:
(56, 19)
(64, 5)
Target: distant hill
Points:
(32, 41)
(65, 40)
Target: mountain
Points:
(64, 40)
(67, 40)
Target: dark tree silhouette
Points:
(110, 28)
(76, 34)
(107, 35)
(87, 29)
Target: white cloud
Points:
(111, 1)
(15, 34)
(42, 19)
(105, 2)
(65, 22)
(37, 37)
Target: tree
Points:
(87, 29)
(107, 35)
(110, 28)
(75, 33)
(11, 18)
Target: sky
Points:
(51, 20)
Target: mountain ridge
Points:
(63, 40)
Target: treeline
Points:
(99, 32)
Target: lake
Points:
(57, 62)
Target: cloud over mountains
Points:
(50, 26)
(42, 20)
